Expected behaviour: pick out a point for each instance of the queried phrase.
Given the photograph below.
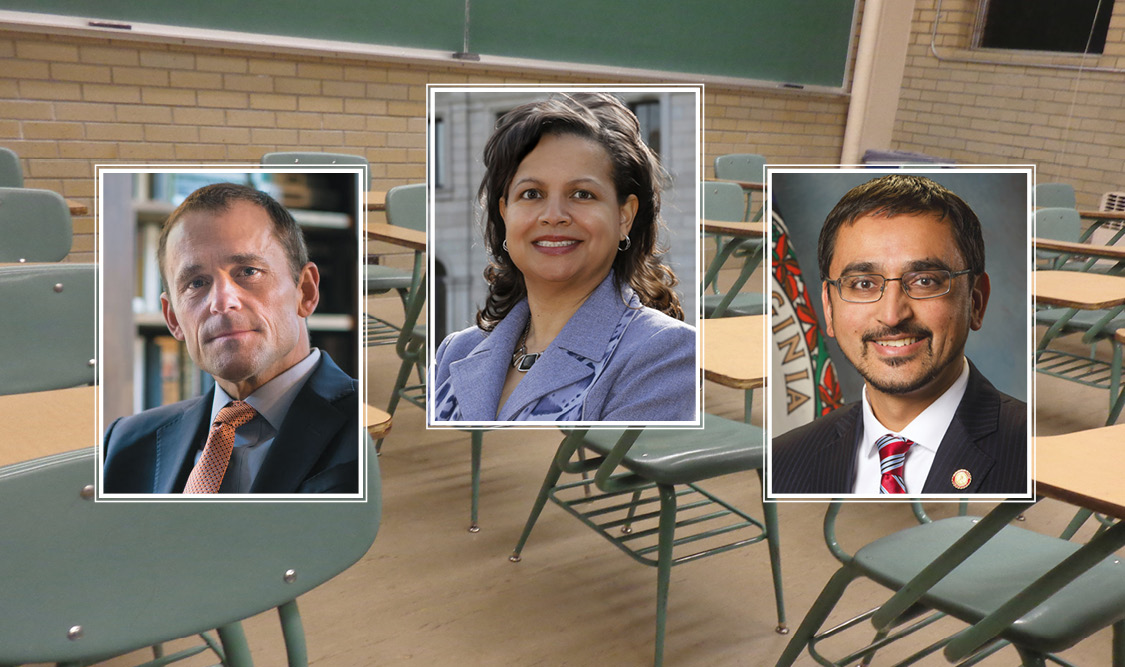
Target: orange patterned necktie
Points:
(208, 472)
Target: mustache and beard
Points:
(905, 385)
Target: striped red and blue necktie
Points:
(892, 458)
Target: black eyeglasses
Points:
(868, 287)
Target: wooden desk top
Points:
(376, 200)
(411, 238)
(733, 352)
(1082, 249)
(1102, 215)
(1073, 289)
(1083, 468)
(378, 422)
(76, 208)
(746, 185)
(47, 422)
(747, 229)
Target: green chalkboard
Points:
(796, 42)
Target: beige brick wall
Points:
(67, 103)
(1070, 123)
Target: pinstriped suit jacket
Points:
(987, 437)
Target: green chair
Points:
(406, 207)
(308, 158)
(35, 226)
(11, 174)
(47, 330)
(1055, 195)
(725, 202)
(746, 168)
(1057, 224)
(654, 510)
(1000, 563)
(84, 582)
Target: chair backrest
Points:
(1055, 195)
(740, 167)
(35, 226)
(1058, 224)
(138, 573)
(723, 201)
(11, 174)
(298, 158)
(46, 339)
(406, 206)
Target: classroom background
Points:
(428, 592)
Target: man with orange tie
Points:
(282, 417)
(902, 264)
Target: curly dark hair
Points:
(636, 171)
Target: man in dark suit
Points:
(929, 422)
(282, 417)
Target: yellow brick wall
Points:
(1070, 123)
(67, 103)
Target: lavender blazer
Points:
(644, 372)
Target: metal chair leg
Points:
(235, 648)
(664, 565)
(1030, 659)
(552, 478)
(628, 527)
(294, 634)
(816, 616)
(477, 440)
(773, 540)
(400, 382)
(1119, 644)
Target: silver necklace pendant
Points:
(525, 361)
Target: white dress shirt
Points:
(252, 440)
(927, 431)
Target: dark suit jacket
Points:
(987, 437)
(316, 449)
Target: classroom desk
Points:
(76, 208)
(1101, 215)
(47, 422)
(739, 229)
(732, 351)
(376, 200)
(1074, 289)
(746, 185)
(1081, 249)
(377, 422)
(1063, 472)
(744, 233)
(410, 238)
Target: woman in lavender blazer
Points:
(581, 322)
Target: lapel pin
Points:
(962, 478)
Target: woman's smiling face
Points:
(562, 218)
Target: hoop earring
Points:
(505, 245)
(628, 243)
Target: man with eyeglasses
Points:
(902, 264)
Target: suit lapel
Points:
(176, 442)
(569, 357)
(479, 378)
(835, 467)
(307, 430)
(976, 418)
